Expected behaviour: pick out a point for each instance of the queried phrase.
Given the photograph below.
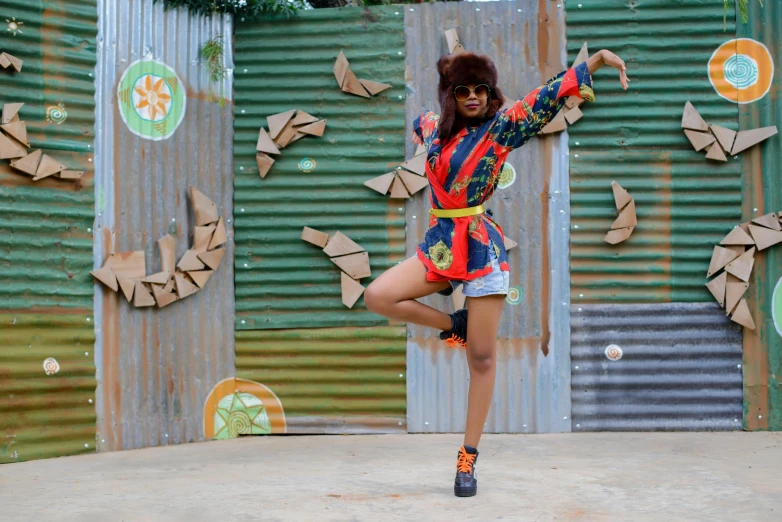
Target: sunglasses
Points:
(462, 92)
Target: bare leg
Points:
(394, 295)
(483, 321)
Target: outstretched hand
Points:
(606, 57)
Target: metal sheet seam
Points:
(559, 308)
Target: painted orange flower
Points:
(152, 97)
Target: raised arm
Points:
(527, 117)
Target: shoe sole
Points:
(465, 491)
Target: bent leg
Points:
(394, 295)
(483, 321)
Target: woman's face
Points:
(472, 100)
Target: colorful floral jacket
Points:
(464, 172)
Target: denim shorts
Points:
(493, 283)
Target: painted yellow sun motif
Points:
(152, 97)
(14, 26)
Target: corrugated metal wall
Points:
(284, 64)
(680, 368)
(156, 367)
(45, 237)
(340, 380)
(685, 203)
(763, 194)
(330, 380)
(532, 392)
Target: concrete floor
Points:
(583, 477)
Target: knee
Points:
(374, 299)
(482, 361)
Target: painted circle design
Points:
(307, 165)
(241, 414)
(56, 113)
(507, 176)
(514, 295)
(613, 352)
(152, 99)
(51, 366)
(741, 70)
(240, 407)
(776, 306)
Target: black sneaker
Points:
(466, 484)
(456, 337)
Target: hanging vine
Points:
(247, 8)
(743, 8)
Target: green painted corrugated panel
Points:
(284, 64)
(685, 203)
(763, 194)
(46, 415)
(322, 376)
(45, 236)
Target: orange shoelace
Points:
(455, 342)
(465, 462)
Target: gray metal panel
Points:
(156, 367)
(532, 393)
(680, 369)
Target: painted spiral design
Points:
(741, 71)
(56, 114)
(239, 423)
(51, 366)
(514, 295)
(307, 165)
(613, 352)
(507, 176)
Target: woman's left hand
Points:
(606, 57)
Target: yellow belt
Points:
(457, 212)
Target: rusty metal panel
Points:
(763, 194)
(650, 367)
(331, 380)
(45, 237)
(156, 367)
(284, 64)
(47, 386)
(49, 221)
(527, 43)
(685, 203)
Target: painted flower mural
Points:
(152, 99)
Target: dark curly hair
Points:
(464, 69)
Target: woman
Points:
(467, 145)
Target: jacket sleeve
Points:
(527, 117)
(424, 127)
